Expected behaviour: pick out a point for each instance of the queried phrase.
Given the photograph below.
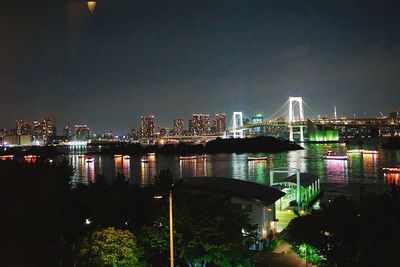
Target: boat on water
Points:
(391, 170)
(6, 157)
(370, 152)
(354, 151)
(187, 157)
(127, 157)
(204, 156)
(151, 154)
(80, 156)
(144, 160)
(334, 156)
(256, 158)
(117, 156)
(89, 160)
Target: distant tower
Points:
(334, 112)
(237, 123)
(292, 116)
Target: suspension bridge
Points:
(293, 117)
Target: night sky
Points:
(174, 58)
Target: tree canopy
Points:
(110, 247)
(348, 233)
(207, 229)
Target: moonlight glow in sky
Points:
(174, 58)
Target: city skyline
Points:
(108, 67)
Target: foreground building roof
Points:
(234, 187)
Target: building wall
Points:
(18, 140)
(260, 215)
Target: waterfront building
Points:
(48, 128)
(179, 125)
(258, 200)
(37, 131)
(23, 127)
(201, 124)
(395, 114)
(164, 132)
(17, 140)
(220, 123)
(147, 127)
(67, 130)
(82, 132)
(191, 129)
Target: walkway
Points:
(282, 256)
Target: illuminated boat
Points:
(6, 157)
(31, 158)
(203, 156)
(372, 152)
(144, 160)
(151, 154)
(256, 158)
(117, 156)
(332, 155)
(89, 160)
(391, 170)
(354, 151)
(80, 156)
(187, 157)
(127, 157)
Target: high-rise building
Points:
(179, 126)
(191, 130)
(220, 122)
(48, 128)
(201, 124)
(395, 114)
(66, 130)
(37, 131)
(164, 132)
(147, 126)
(82, 132)
(23, 127)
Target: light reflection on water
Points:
(338, 174)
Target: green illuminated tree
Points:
(110, 247)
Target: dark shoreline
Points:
(246, 145)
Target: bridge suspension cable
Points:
(282, 112)
(311, 114)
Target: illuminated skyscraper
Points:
(220, 122)
(82, 132)
(67, 130)
(48, 128)
(37, 131)
(23, 127)
(179, 126)
(201, 124)
(147, 127)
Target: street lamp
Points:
(171, 230)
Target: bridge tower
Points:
(293, 102)
(237, 123)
